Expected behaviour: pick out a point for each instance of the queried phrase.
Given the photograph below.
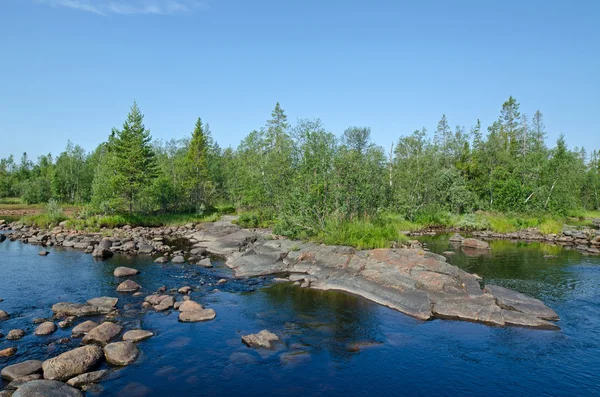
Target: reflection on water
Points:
(332, 343)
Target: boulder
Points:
(122, 271)
(137, 335)
(8, 352)
(15, 334)
(43, 253)
(262, 339)
(3, 315)
(83, 328)
(25, 368)
(103, 301)
(72, 363)
(45, 328)
(102, 253)
(121, 353)
(178, 259)
(205, 263)
(102, 334)
(197, 316)
(87, 378)
(184, 290)
(190, 306)
(166, 303)
(128, 286)
(47, 388)
(475, 244)
(145, 249)
(161, 259)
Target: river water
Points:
(333, 343)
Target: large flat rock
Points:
(47, 388)
(412, 281)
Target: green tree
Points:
(130, 164)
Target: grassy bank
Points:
(384, 231)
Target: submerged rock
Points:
(47, 388)
(79, 310)
(262, 339)
(72, 363)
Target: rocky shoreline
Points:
(411, 280)
(585, 240)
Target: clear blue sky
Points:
(70, 69)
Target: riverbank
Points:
(410, 280)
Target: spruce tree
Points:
(134, 161)
(197, 161)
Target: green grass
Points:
(360, 234)
(251, 220)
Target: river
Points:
(333, 343)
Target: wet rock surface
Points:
(21, 369)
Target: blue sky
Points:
(70, 69)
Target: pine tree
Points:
(134, 162)
(197, 164)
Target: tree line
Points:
(304, 175)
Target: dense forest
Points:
(304, 176)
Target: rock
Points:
(137, 335)
(161, 259)
(221, 281)
(178, 259)
(25, 368)
(3, 315)
(121, 353)
(197, 316)
(512, 300)
(102, 334)
(448, 253)
(184, 290)
(205, 263)
(262, 339)
(478, 309)
(102, 253)
(166, 303)
(47, 388)
(72, 363)
(79, 310)
(15, 334)
(128, 286)
(456, 238)
(475, 244)
(103, 301)
(87, 378)
(8, 352)
(122, 271)
(83, 328)
(45, 328)
(16, 383)
(190, 306)
(145, 249)
(43, 253)
(39, 320)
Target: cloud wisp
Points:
(129, 7)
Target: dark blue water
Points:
(333, 343)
